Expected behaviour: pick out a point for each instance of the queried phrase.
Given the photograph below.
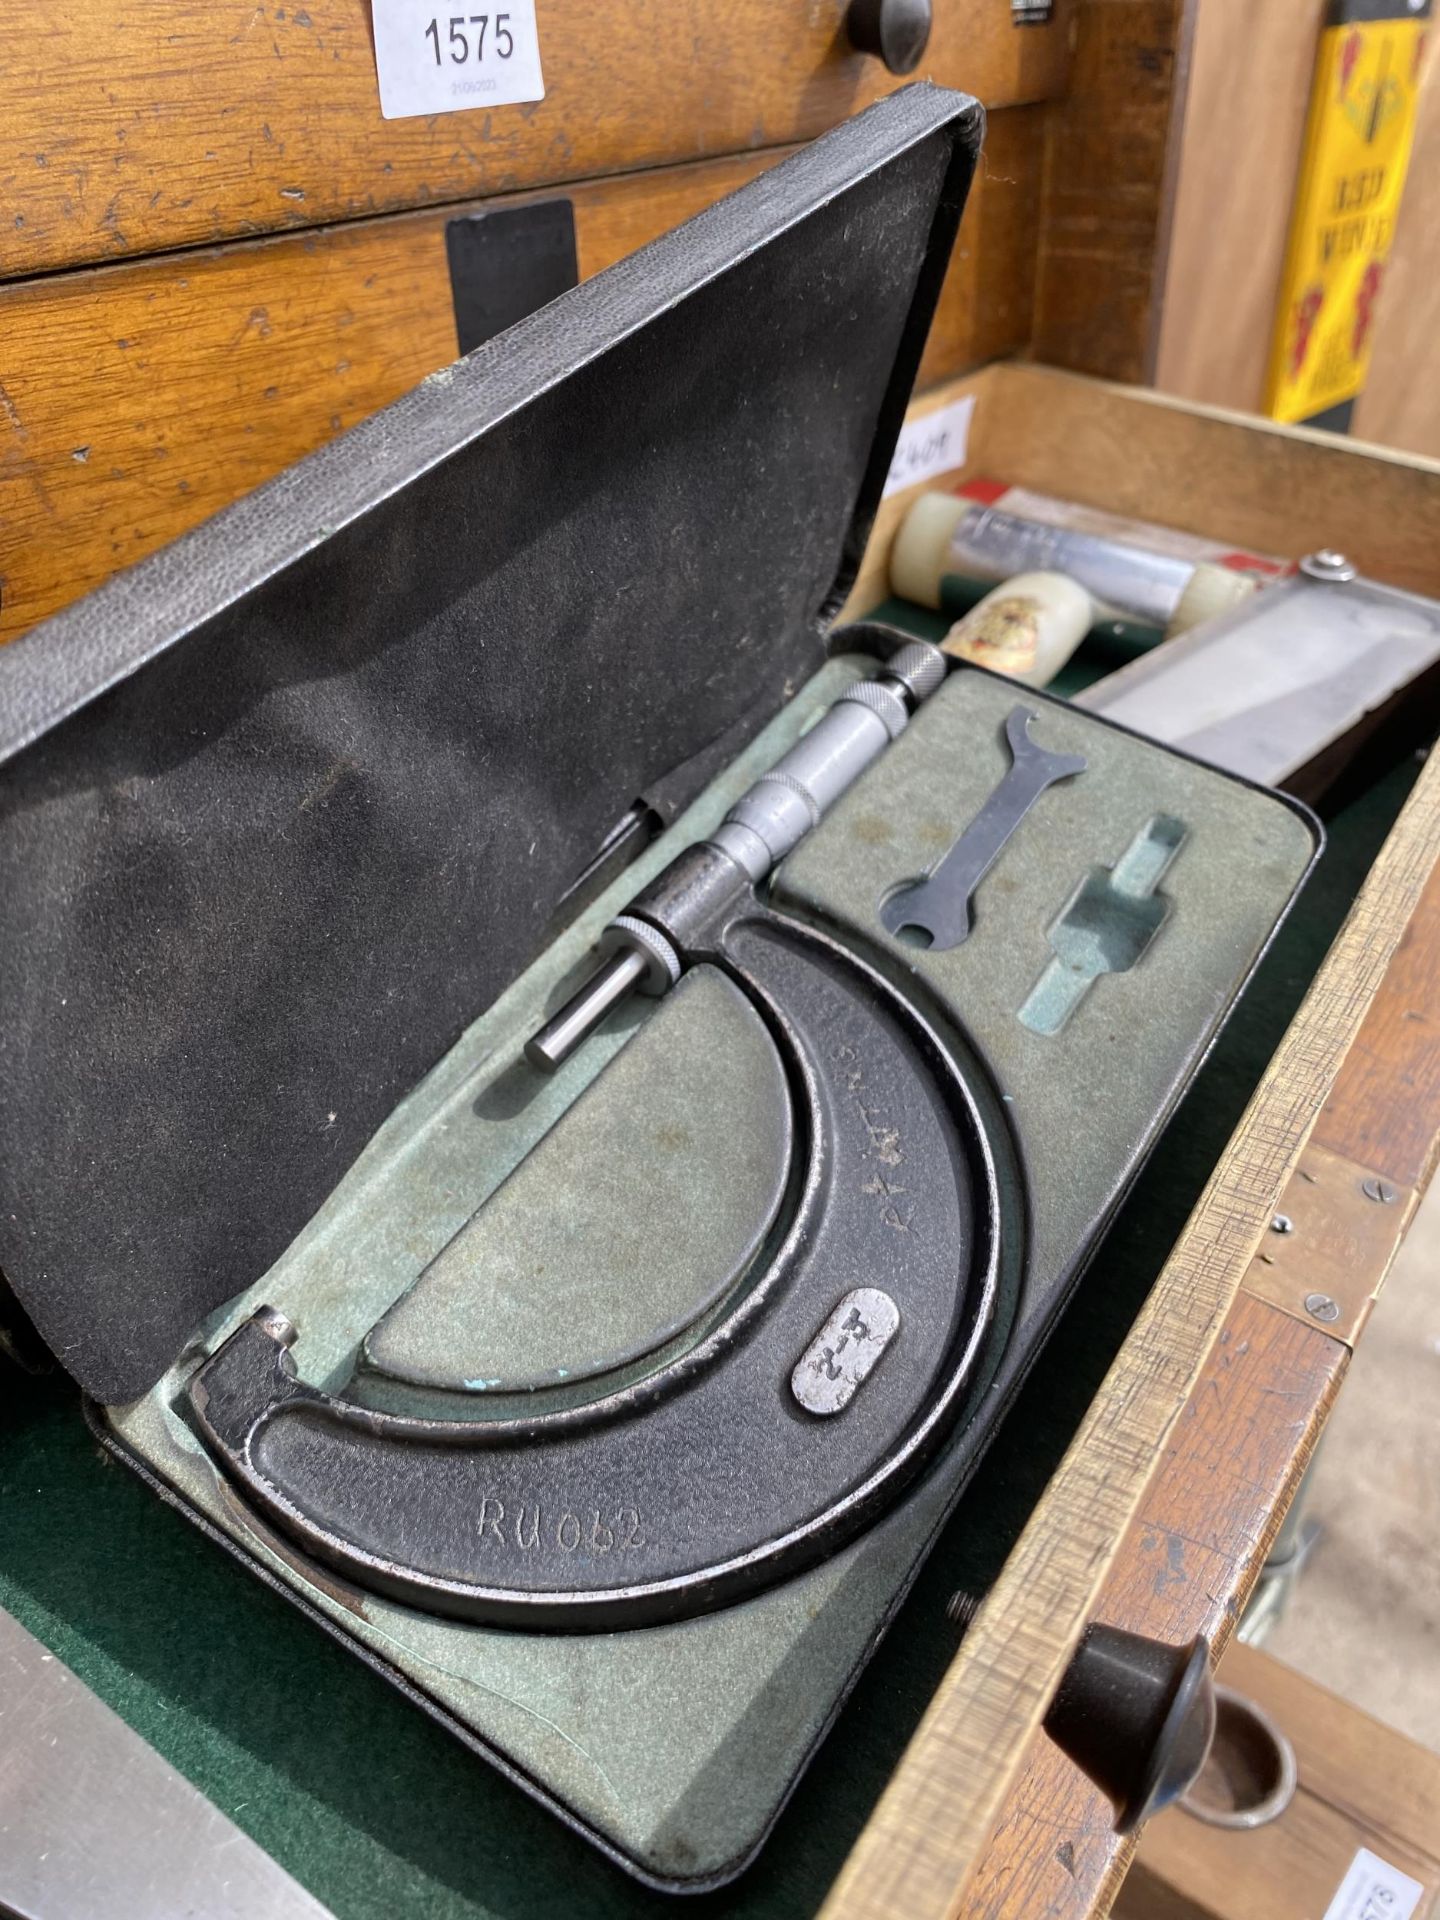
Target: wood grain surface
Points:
(1225, 1476)
(1234, 1458)
(137, 400)
(1400, 406)
(1384, 1109)
(1290, 1872)
(1236, 161)
(1351, 1760)
(928, 1836)
(1267, 488)
(1361, 1784)
(127, 130)
(1104, 223)
(1238, 154)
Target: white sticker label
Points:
(933, 445)
(1374, 1890)
(434, 60)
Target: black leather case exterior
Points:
(285, 807)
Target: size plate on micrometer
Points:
(843, 1354)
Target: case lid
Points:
(285, 807)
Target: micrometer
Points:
(843, 1358)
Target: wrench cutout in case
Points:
(1107, 925)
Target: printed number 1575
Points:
(460, 42)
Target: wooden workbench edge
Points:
(1222, 1488)
(923, 1842)
(1204, 1528)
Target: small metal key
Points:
(939, 906)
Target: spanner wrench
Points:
(939, 904)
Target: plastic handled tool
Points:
(945, 536)
(640, 946)
(1027, 628)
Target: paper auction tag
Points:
(932, 445)
(1374, 1890)
(432, 60)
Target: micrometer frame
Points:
(247, 1391)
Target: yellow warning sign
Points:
(1357, 147)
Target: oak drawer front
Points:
(129, 130)
(143, 397)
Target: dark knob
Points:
(1137, 1717)
(895, 31)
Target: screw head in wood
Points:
(1377, 1189)
(1282, 1223)
(1321, 1307)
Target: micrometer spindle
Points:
(760, 829)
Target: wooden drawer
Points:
(139, 399)
(1161, 1511)
(1360, 1785)
(1208, 1414)
(128, 130)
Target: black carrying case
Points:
(283, 808)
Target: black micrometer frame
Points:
(703, 1482)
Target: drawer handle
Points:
(1137, 1716)
(895, 31)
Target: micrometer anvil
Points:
(840, 1361)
